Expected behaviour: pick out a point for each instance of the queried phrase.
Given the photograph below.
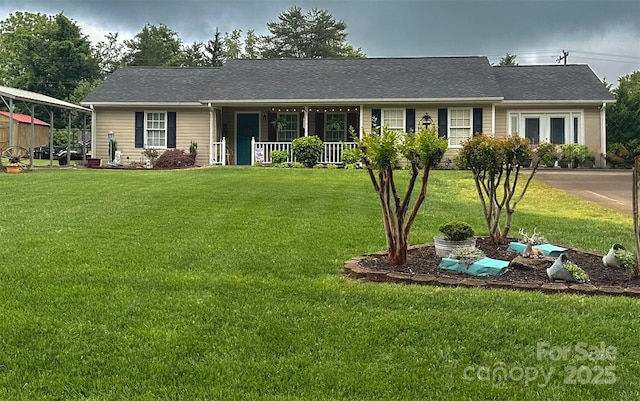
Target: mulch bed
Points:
(422, 268)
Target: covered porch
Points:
(252, 133)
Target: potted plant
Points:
(564, 269)
(280, 123)
(455, 234)
(619, 256)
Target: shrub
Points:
(307, 150)
(350, 156)
(456, 231)
(319, 165)
(297, 165)
(174, 158)
(331, 166)
(547, 153)
(574, 154)
(279, 156)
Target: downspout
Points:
(603, 133)
(210, 133)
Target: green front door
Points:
(247, 127)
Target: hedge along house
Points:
(230, 111)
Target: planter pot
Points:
(444, 247)
(93, 163)
(557, 271)
(609, 259)
(13, 169)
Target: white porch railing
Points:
(331, 154)
(261, 151)
(219, 152)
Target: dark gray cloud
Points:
(603, 34)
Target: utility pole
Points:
(565, 55)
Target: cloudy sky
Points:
(604, 34)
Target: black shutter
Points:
(442, 123)
(171, 130)
(272, 132)
(320, 125)
(353, 120)
(139, 137)
(300, 124)
(376, 118)
(411, 120)
(477, 121)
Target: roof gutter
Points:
(228, 102)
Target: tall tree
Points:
(623, 116)
(110, 53)
(232, 44)
(508, 59)
(47, 55)
(193, 55)
(155, 46)
(315, 34)
(214, 50)
(250, 43)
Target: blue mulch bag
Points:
(483, 267)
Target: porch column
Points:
(603, 133)
(10, 122)
(493, 119)
(306, 121)
(212, 120)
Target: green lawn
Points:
(226, 284)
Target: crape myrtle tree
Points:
(496, 164)
(382, 150)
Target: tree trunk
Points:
(398, 256)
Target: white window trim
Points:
(146, 129)
(297, 126)
(470, 110)
(404, 118)
(344, 128)
(545, 116)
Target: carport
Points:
(22, 156)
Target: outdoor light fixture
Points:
(426, 120)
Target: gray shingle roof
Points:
(152, 85)
(373, 79)
(329, 79)
(551, 82)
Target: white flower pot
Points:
(557, 270)
(609, 259)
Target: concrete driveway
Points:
(609, 188)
